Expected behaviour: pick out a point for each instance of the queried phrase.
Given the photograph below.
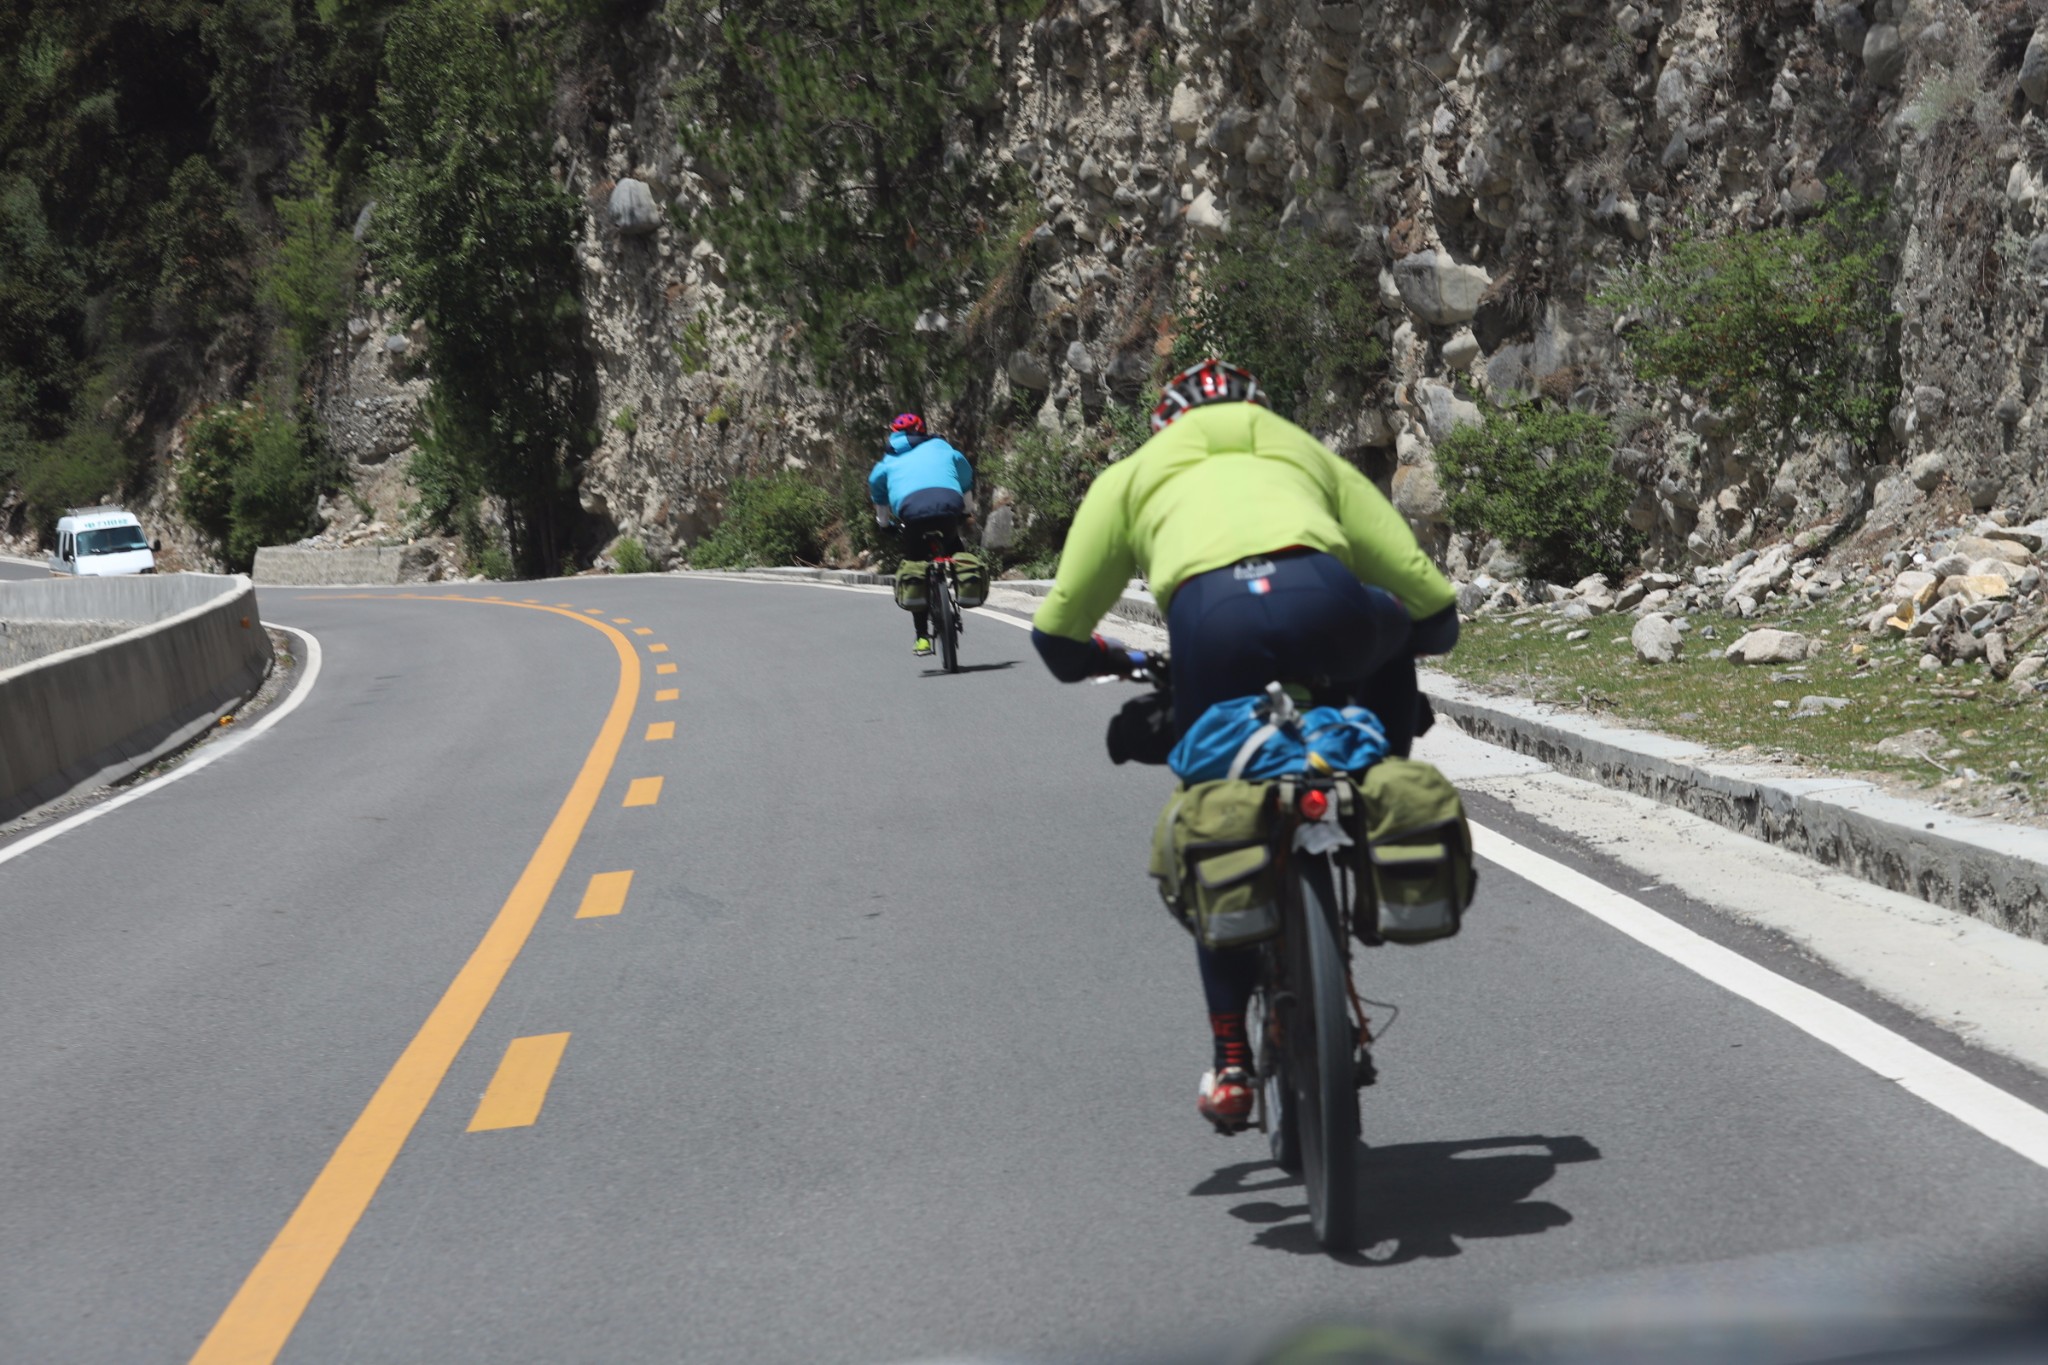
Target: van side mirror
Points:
(156, 547)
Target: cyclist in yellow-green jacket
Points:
(1273, 559)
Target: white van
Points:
(95, 542)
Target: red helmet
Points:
(1210, 381)
(909, 422)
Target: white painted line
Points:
(213, 753)
(1997, 1114)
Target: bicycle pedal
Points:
(1364, 1072)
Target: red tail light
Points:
(1314, 805)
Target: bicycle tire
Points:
(1283, 1132)
(1322, 1061)
(946, 621)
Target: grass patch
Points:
(1982, 722)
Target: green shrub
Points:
(87, 464)
(494, 562)
(218, 443)
(197, 239)
(1048, 473)
(626, 420)
(1295, 311)
(1542, 481)
(1779, 329)
(276, 489)
(779, 519)
(632, 557)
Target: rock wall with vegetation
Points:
(1583, 284)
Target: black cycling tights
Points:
(1297, 616)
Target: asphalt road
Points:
(19, 568)
(888, 1052)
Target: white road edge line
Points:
(1971, 1100)
(1997, 1114)
(218, 750)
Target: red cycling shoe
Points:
(1226, 1098)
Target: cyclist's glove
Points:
(1078, 660)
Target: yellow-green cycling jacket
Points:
(1225, 482)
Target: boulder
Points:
(1770, 647)
(1439, 291)
(1912, 586)
(1204, 218)
(1928, 470)
(1819, 706)
(1443, 412)
(1973, 588)
(1078, 359)
(1028, 370)
(2031, 536)
(1978, 547)
(1417, 494)
(999, 530)
(1461, 350)
(2034, 67)
(633, 210)
(1188, 112)
(1884, 53)
(1656, 640)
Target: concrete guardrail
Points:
(86, 715)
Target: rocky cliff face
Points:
(1491, 159)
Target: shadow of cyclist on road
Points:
(1417, 1199)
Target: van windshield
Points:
(113, 540)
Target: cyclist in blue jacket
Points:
(920, 486)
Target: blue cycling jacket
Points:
(911, 466)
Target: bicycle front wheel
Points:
(1321, 1057)
(946, 623)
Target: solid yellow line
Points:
(606, 895)
(261, 1316)
(657, 649)
(662, 729)
(645, 791)
(664, 669)
(668, 694)
(516, 1093)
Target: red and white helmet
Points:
(908, 422)
(1210, 381)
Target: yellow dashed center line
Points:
(657, 649)
(517, 1092)
(606, 895)
(662, 729)
(259, 1319)
(624, 621)
(643, 630)
(645, 791)
(668, 694)
(664, 669)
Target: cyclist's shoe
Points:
(923, 648)
(1226, 1098)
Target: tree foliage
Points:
(479, 241)
(843, 135)
(1541, 479)
(1296, 311)
(779, 519)
(1781, 329)
(250, 477)
(310, 274)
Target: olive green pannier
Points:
(1418, 849)
(1212, 855)
(911, 588)
(1215, 860)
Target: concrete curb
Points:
(87, 715)
(1997, 873)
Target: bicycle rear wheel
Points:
(1276, 1098)
(946, 623)
(1321, 1042)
